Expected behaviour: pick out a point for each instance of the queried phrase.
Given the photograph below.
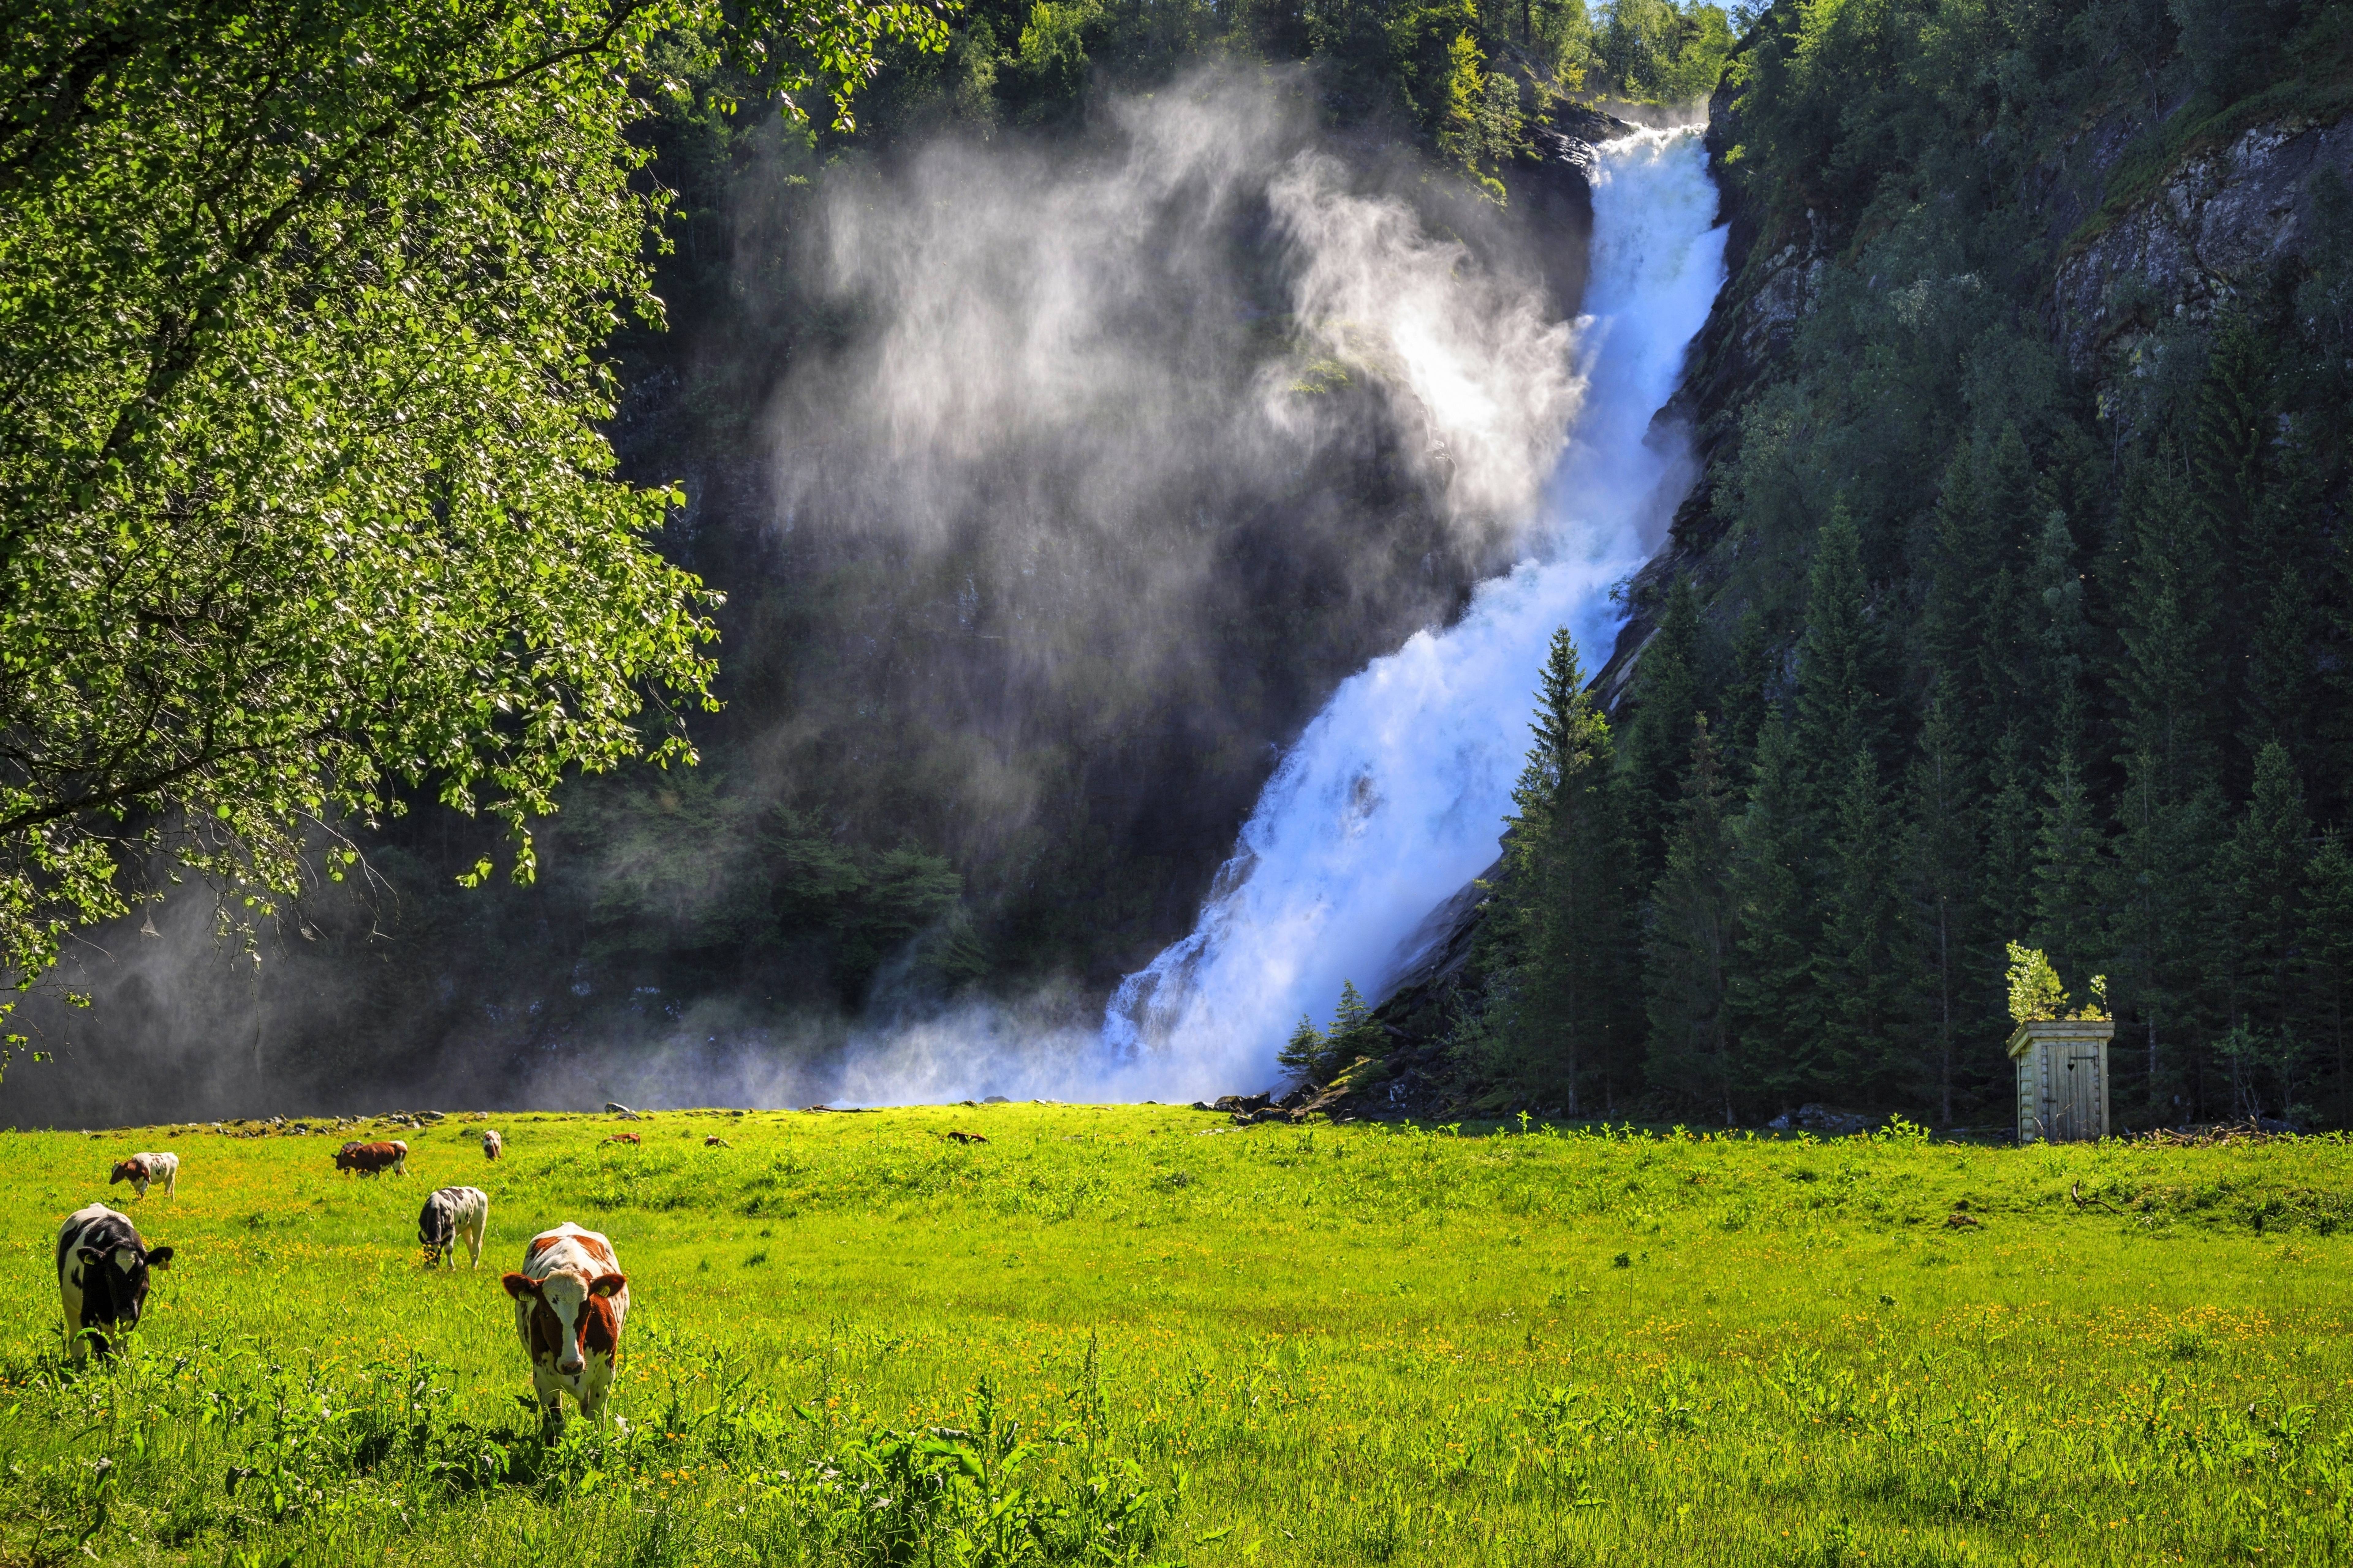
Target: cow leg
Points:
(593, 1389)
(549, 1390)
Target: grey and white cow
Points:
(102, 1269)
(448, 1214)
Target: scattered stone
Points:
(996, 1099)
(960, 1137)
(1958, 1221)
(1821, 1118)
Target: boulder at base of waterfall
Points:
(1823, 1119)
(1243, 1104)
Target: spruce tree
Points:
(1657, 741)
(2169, 812)
(2012, 827)
(1845, 684)
(2159, 908)
(1854, 962)
(2264, 874)
(1564, 895)
(2069, 874)
(2235, 424)
(1952, 626)
(2326, 960)
(1777, 1010)
(1689, 953)
(1942, 922)
(2057, 633)
(2009, 659)
(2170, 625)
(1304, 1054)
(1747, 695)
(2282, 564)
(1353, 1033)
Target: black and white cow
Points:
(103, 1276)
(448, 1214)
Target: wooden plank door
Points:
(2079, 1093)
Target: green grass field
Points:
(1135, 1334)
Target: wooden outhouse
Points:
(2062, 1078)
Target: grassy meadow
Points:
(1138, 1334)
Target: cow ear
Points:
(91, 1257)
(520, 1285)
(608, 1285)
(159, 1258)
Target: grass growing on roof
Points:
(1135, 1334)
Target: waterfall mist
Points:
(1395, 796)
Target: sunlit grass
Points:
(1141, 1335)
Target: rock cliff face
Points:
(2219, 222)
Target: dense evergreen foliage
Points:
(2064, 659)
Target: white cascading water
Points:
(1394, 798)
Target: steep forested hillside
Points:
(2013, 607)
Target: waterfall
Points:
(1394, 797)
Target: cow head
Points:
(114, 1287)
(437, 1224)
(573, 1316)
(127, 1171)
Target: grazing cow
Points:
(716, 1141)
(103, 1276)
(373, 1159)
(624, 1138)
(140, 1169)
(570, 1302)
(493, 1144)
(448, 1214)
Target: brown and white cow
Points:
(570, 1299)
(140, 1169)
(373, 1159)
(103, 1276)
(493, 1144)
